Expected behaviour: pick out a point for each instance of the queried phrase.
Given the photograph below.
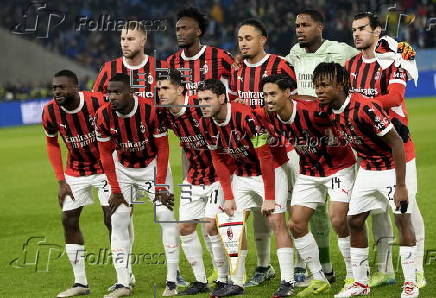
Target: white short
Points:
(310, 191)
(249, 192)
(292, 170)
(139, 180)
(82, 191)
(200, 201)
(374, 190)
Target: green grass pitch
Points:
(30, 209)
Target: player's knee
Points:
(70, 221)
(120, 220)
(298, 227)
(277, 222)
(211, 228)
(338, 222)
(186, 228)
(164, 214)
(355, 222)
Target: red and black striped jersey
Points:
(208, 63)
(133, 134)
(245, 83)
(368, 78)
(186, 125)
(77, 129)
(362, 123)
(309, 131)
(233, 137)
(143, 76)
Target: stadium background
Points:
(32, 242)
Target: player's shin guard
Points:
(320, 229)
(418, 227)
(383, 237)
(194, 254)
(359, 263)
(286, 262)
(219, 257)
(170, 239)
(344, 247)
(238, 277)
(76, 255)
(132, 240)
(298, 261)
(309, 252)
(120, 243)
(262, 236)
(208, 244)
(407, 255)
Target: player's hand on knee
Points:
(401, 198)
(229, 207)
(115, 200)
(406, 50)
(268, 207)
(165, 197)
(64, 190)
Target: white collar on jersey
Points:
(229, 114)
(132, 112)
(195, 57)
(143, 63)
(294, 112)
(369, 60)
(81, 104)
(342, 108)
(259, 63)
(183, 110)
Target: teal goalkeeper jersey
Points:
(304, 63)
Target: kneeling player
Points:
(325, 167)
(130, 125)
(380, 180)
(71, 114)
(202, 196)
(231, 129)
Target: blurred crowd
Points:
(92, 48)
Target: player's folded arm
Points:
(395, 95)
(263, 152)
(162, 157)
(106, 148)
(55, 156)
(223, 173)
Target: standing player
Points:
(257, 64)
(130, 125)
(304, 56)
(380, 181)
(232, 130)
(326, 166)
(203, 61)
(142, 70)
(134, 62)
(387, 87)
(246, 88)
(71, 114)
(206, 197)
